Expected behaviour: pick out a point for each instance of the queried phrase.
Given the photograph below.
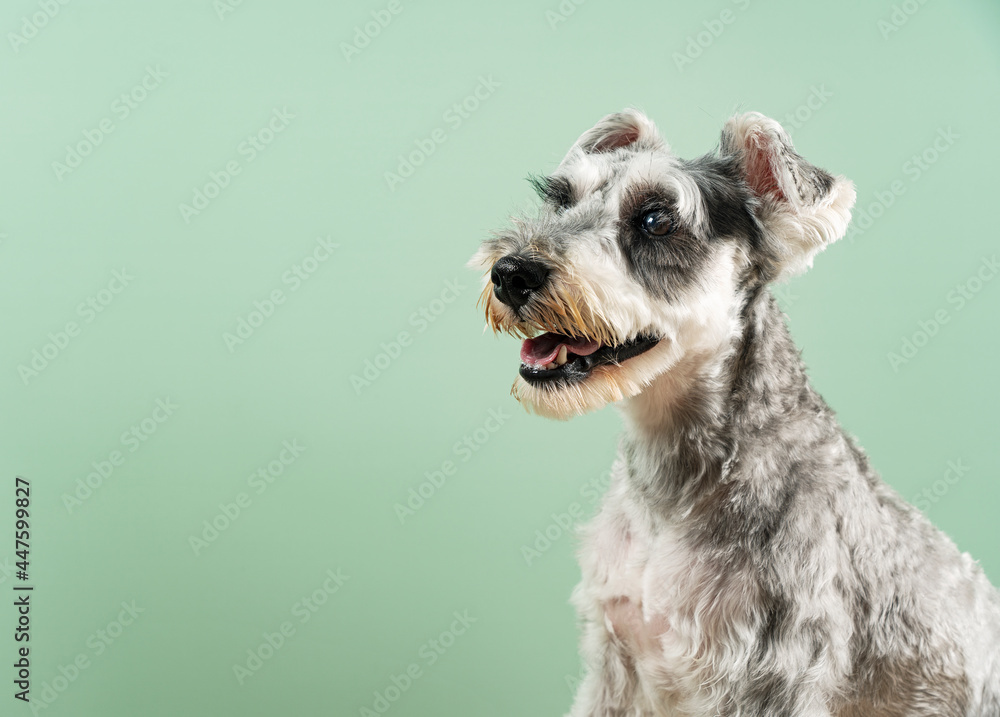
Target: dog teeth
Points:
(561, 358)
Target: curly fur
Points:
(747, 560)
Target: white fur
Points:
(669, 629)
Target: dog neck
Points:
(684, 433)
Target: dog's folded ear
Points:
(803, 208)
(621, 129)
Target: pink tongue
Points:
(543, 349)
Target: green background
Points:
(878, 98)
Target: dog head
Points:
(638, 259)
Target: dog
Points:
(747, 560)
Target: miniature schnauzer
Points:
(747, 560)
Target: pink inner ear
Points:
(621, 137)
(760, 166)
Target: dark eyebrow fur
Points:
(555, 190)
(730, 204)
(645, 197)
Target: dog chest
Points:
(661, 602)
(635, 572)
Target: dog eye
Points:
(657, 223)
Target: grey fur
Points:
(766, 413)
(795, 582)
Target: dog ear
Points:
(621, 129)
(803, 208)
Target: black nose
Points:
(515, 278)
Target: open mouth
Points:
(554, 357)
